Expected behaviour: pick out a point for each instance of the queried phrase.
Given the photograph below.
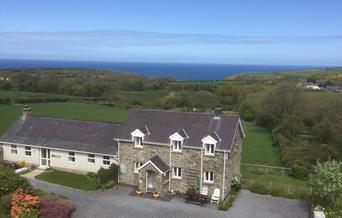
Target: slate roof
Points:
(88, 136)
(156, 160)
(162, 124)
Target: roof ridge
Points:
(181, 112)
(75, 119)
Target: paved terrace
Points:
(118, 203)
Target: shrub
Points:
(10, 181)
(106, 175)
(228, 201)
(300, 172)
(236, 182)
(6, 203)
(5, 100)
(260, 189)
(24, 205)
(51, 207)
(23, 100)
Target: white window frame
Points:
(91, 158)
(106, 161)
(71, 157)
(177, 145)
(177, 172)
(138, 141)
(137, 165)
(209, 177)
(14, 149)
(209, 149)
(28, 151)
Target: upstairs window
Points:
(106, 161)
(71, 157)
(208, 177)
(91, 158)
(209, 149)
(176, 145)
(177, 173)
(137, 165)
(28, 151)
(14, 149)
(137, 141)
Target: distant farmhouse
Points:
(156, 150)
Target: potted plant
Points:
(139, 192)
(156, 194)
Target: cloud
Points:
(122, 38)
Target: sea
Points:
(180, 71)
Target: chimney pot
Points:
(218, 112)
(26, 111)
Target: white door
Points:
(44, 158)
(150, 179)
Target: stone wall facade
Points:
(189, 159)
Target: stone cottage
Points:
(156, 150)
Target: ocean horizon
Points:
(180, 71)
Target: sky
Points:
(291, 32)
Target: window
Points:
(91, 158)
(209, 177)
(136, 166)
(72, 157)
(28, 151)
(14, 149)
(209, 149)
(137, 141)
(176, 145)
(106, 161)
(177, 172)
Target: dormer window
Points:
(210, 143)
(138, 141)
(177, 139)
(209, 149)
(139, 135)
(176, 145)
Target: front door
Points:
(151, 180)
(44, 158)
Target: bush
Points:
(106, 175)
(236, 182)
(10, 181)
(260, 189)
(300, 172)
(24, 100)
(55, 208)
(5, 100)
(108, 185)
(228, 201)
(6, 203)
(24, 205)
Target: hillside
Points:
(319, 73)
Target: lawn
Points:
(73, 180)
(257, 146)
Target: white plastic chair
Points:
(216, 196)
(204, 191)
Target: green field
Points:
(73, 180)
(71, 110)
(145, 97)
(257, 146)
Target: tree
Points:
(229, 96)
(326, 180)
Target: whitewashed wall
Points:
(34, 159)
(58, 159)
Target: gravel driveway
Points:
(118, 203)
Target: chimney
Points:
(218, 112)
(26, 112)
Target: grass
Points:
(71, 110)
(257, 147)
(74, 110)
(73, 180)
(8, 114)
(145, 97)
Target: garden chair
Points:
(216, 196)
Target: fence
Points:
(263, 169)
